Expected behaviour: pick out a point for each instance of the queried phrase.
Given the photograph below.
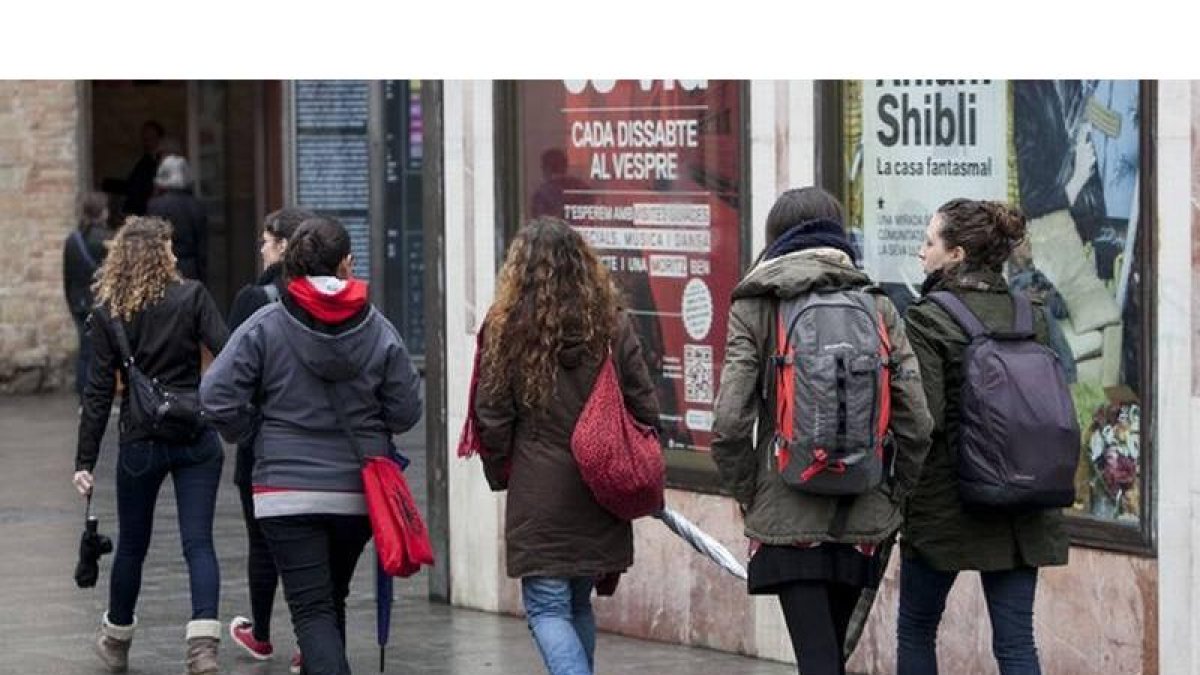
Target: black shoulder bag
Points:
(170, 416)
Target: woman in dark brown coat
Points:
(555, 317)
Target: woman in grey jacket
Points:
(278, 376)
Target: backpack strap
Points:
(339, 410)
(1022, 314)
(81, 246)
(122, 341)
(782, 372)
(958, 310)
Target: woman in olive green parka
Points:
(966, 244)
(817, 569)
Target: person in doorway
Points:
(555, 318)
(141, 300)
(558, 185)
(965, 247)
(175, 203)
(292, 373)
(814, 551)
(139, 187)
(83, 252)
(254, 634)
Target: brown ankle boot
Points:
(203, 636)
(112, 644)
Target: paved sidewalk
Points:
(47, 623)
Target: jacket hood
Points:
(338, 357)
(328, 299)
(573, 353)
(790, 275)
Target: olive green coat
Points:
(775, 512)
(936, 526)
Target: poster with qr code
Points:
(698, 374)
(650, 173)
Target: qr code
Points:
(698, 373)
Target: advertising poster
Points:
(1067, 152)
(649, 172)
(332, 164)
(1078, 161)
(924, 143)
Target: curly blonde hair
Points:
(552, 287)
(138, 269)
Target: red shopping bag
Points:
(619, 458)
(401, 538)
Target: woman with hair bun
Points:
(966, 244)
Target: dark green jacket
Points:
(936, 526)
(775, 512)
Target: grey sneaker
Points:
(203, 636)
(112, 645)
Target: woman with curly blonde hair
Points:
(555, 318)
(141, 300)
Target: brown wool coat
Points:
(553, 526)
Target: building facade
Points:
(671, 181)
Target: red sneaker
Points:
(241, 630)
(297, 666)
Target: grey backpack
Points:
(1018, 441)
(831, 371)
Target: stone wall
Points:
(40, 178)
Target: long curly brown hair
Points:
(552, 287)
(138, 269)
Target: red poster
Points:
(650, 173)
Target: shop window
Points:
(652, 173)
(1075, 155)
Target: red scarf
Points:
(329, 308)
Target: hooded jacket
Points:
(776, 513)
(275, 376)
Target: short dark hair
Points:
(282, 223)
(91, 207)
(316, 248)
(153, 124)
(801, 205)
(554, 161)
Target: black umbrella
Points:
(92, 545)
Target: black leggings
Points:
(261, 574)
(817, 615)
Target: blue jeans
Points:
(142, 466)
(1009, 595)
(559, 611)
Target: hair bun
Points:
(1010, 221)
